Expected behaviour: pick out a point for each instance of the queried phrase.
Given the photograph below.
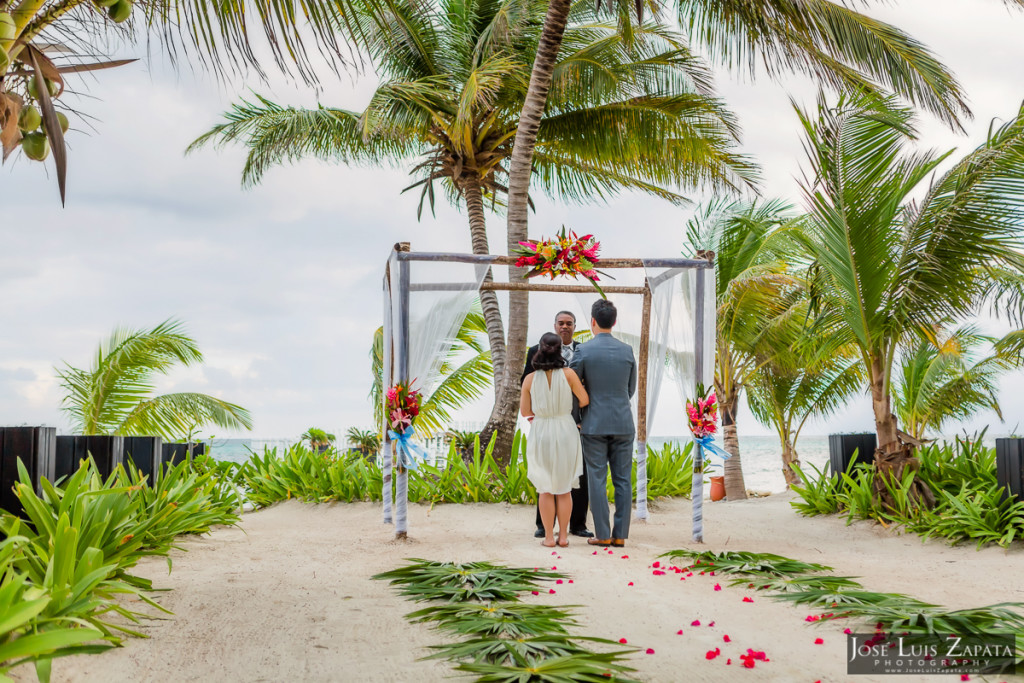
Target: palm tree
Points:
(941, 378)
(465, 374)
(366, 441)
(826, 40)
(115, 395)
(754, 286)
(43, 41)
(888, 266)
(451, 98)
(319, 440)
(798, 381)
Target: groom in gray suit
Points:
(608, 371)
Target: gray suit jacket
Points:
(608, 371)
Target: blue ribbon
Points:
(408, 453)
(707, 443)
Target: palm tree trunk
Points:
(488, 298)
(789, 458)
(892, 456)
(502, 422)
(735, 487)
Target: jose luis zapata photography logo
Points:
(873, 653)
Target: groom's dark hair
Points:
(604, 314)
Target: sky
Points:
(280, 284)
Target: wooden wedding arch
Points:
(396, 338)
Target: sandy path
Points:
(286, 596)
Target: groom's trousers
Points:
(604, 452)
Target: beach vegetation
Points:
(270, 477)
(115, 394)
(970, 505)
(319, 440)
(365, 441)
(70, 558)
(891, 268)
(463, 582)
(497, 619)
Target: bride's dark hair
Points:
(549, 353)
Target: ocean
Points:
(762, 460)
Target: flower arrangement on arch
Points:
(567, 254)
(403, 406)
(702, 413)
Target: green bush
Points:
(970, 506)
(332, 476)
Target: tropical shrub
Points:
(331, 476)
(970, 505)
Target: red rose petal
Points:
(570, 580)
(658, 572)
(558, 582)
(656, 565)
(679, 632)
(749, 663)
(748, 599)
(551, 591)
(650, 650)
(695, 622)
(594, 553)
(711, 654)
(535, 592)
(717, 587)
(847, 631)
(728, 661)
(630, 583)
(819, 641)
(625, 557)
(622, 640)
(711, 625)
(726, 638)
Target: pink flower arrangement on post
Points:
(403, 407)
(568, 255)
(703, 414)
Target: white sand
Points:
(287, 596)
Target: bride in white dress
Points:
(554, 457)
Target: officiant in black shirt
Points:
(565, 326)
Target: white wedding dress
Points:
(554, 456)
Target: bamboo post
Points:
(386, 380)
(641, 405)
(697, 485)
(402, 365)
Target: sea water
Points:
(761, 455)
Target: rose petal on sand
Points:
(726, 638)
(625, 557)
(551, 591)
(711, 625)
(558, 582)
(847, 631)
(535, 592)
(695, 622)
(679, 632)
(711, 654)
(650, 650)
(630, 583)
(656, 565)
(819, 641)
(748, 599)
(717, 587)
(622, 640)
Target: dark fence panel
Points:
(1010, 467)
(35, 446)
(175, 453)
(841, 448)
(106, 451)
(146, 452)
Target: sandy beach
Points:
(286, 596)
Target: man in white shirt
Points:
(565, 327)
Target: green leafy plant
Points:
(743, 562)
(496, 619)
(455, 582)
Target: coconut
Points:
(63, 120)
(8, 30)
(104, 3)
(35, 146)
(119, 11)
(33, 87)
(29, 119)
